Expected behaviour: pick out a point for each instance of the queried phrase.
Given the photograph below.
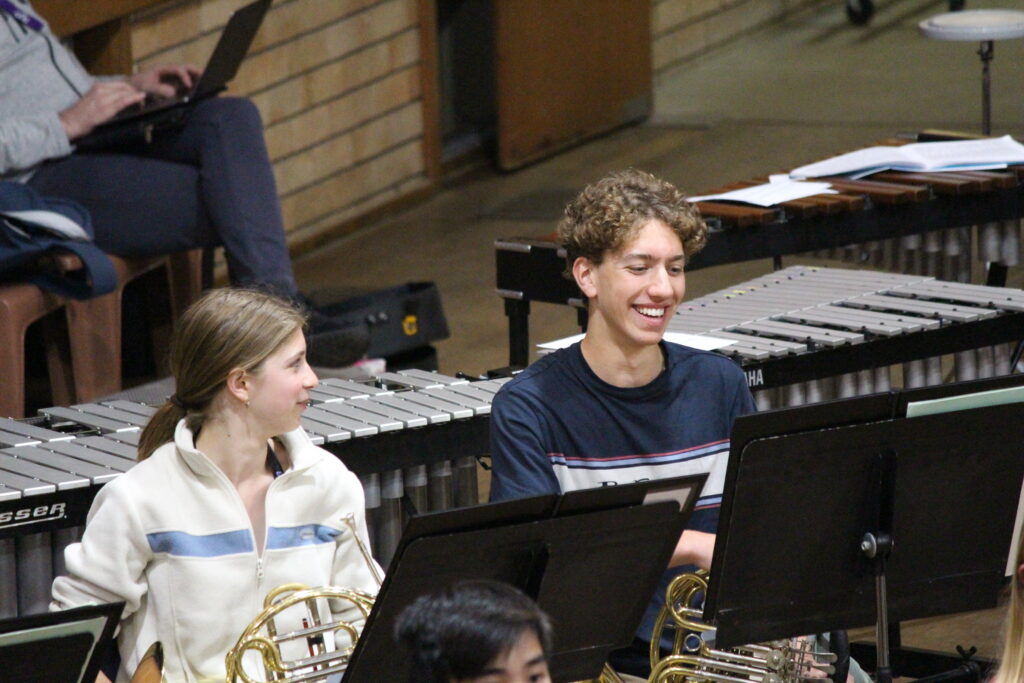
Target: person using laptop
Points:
(207, 183)
(624, 405)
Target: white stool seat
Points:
(975, 25)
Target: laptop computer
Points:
(137, 124)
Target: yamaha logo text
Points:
(755, 378)
(32, 515)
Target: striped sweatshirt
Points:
(558, 427)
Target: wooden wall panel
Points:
(566, 71)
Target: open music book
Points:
(955, 155)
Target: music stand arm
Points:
(877, 548)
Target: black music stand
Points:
(58, 646)
(591, 559)
(845, 514)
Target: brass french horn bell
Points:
(695, 660)
(315, 644)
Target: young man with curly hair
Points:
(623, 405)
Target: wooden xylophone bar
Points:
(412, 433)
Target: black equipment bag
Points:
(400, 319)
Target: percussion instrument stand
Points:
(877, 546)
(984, 26)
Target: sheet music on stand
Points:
(58, 646)
(812, 493)
(590, 558)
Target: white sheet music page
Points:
(770, 194)
(953, 155)
(994, 152)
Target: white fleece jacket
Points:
(172, 539)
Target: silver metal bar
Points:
(141, 409)
(8, 439)
(116, 463)
(408, 419)
(63, 480)
(479, 406)
(466, 493)
(389, 518)
(336, 427)
(58, 414)
(350, 410)
(439, 485)
(29, 430)
(356, 388)
(914, 374)
(433, 415)
(112, 414)
(433, 376)
(458, 411)
(415, 479)
(27, 485)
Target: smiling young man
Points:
(623, 405)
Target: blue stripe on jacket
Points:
(293, 537)
(183, 544)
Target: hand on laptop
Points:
(98, 105)
(166, 80)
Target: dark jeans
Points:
(209, 183)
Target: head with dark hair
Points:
(609, 212)
(458, 633)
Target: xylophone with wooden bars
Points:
(905, 222)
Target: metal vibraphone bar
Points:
(409, 433)
(906, 222)
(820, 333)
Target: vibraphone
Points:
(819, 333)
(907, 222)
(409, 433)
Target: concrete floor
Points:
(798, 90)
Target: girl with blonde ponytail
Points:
(230, 498)
(1011, 665)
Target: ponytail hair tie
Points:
(176, 401)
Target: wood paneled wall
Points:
(682, 29)
(339, 86)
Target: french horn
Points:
(694, 659)
(315, 645)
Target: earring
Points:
(246, 404)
